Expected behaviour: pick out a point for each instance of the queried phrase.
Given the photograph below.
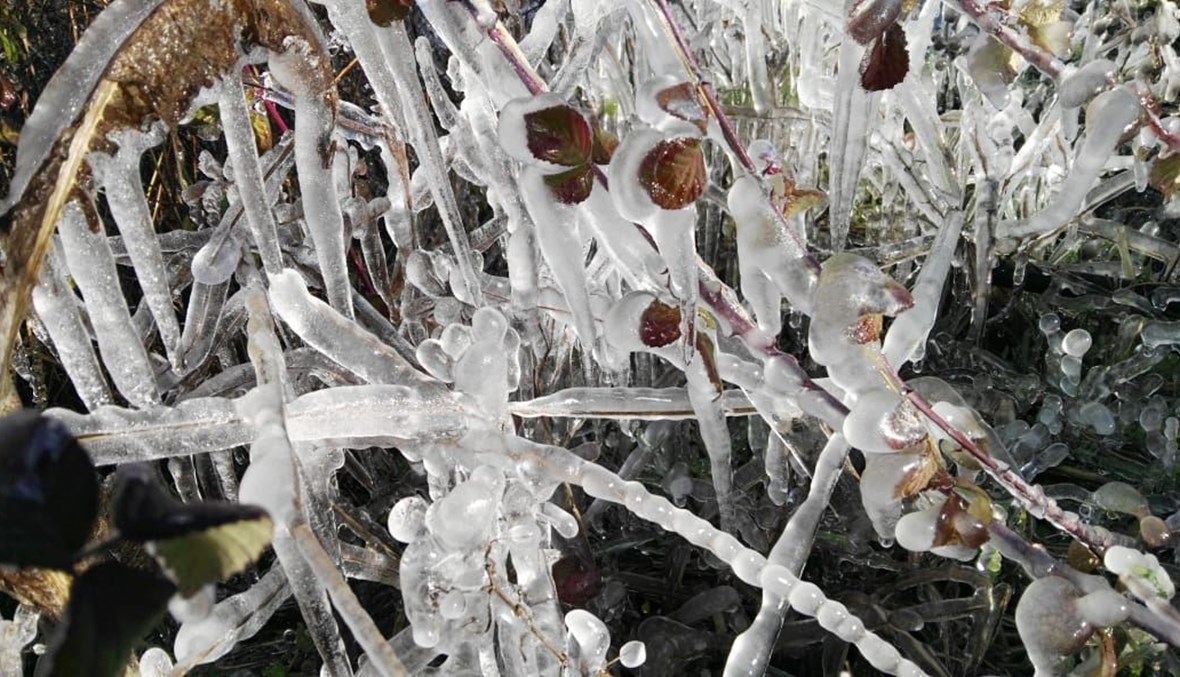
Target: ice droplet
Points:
(633, 654)
(407, 518)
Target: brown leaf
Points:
(929, 472)
(573, 186)
(385, 12)
(707, 351)
(560, 135)
(886, 62)
(960, 522)
(659, 325)
(673, 172)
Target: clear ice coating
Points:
(419, 307)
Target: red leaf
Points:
(870, 19)
(673, 172)
(560, 135)
(659, 325)
(886, 62)
(573, 186)
(681, 101)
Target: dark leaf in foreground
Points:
(886, 62)
(48, 492)
(196, 543)
(559, 135)
(112, 607)
(673, 172)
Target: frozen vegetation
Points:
(629, 335)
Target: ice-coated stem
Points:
(232, 620)
(273, 481)
(1037, 563)
(752, 568)
(1110, 116)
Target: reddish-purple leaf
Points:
(659, 325)
(573, 186)
(869, 19)
(673, 172)
(886, 62)
(560, 135)
(681, 101)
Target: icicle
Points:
(93, 267)
(252, 193)
(1107, 119)
(399, 54)
(120, 178)
(907, 335)
(57, 307)
(556, 229)
(853, 120)
(232, 620)
(332, 334)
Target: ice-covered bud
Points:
(1125, 561)
(651, 171)
(882, 422)
(886, 480)
(851, 289)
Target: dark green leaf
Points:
(111, 608)
(48, 492)
(195, 543)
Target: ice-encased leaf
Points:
(546, 132)
(673, 172)
(886, 62)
